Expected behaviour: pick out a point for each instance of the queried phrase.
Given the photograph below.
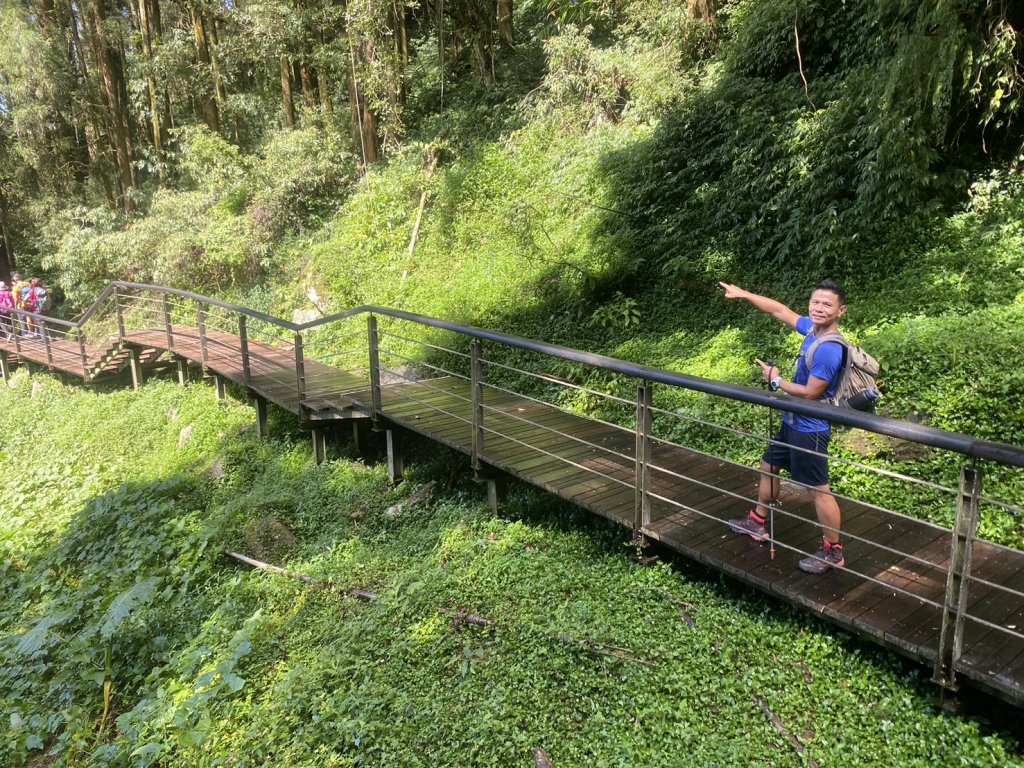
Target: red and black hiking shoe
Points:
(827, 557)
(752, 525)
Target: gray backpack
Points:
(857, 386)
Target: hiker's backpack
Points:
(857, 386)
(28, 298)
(43, 300)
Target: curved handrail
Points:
(931, 436)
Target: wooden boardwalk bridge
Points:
(942, 597)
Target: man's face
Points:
(824, 308)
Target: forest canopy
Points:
(797, 126)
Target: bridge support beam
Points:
(135, 365)
(357, 435)
(220, 384)
(262, 425)
(5, 367)
(495, 492)
(319, 436)
(396, 457)
(182, 371)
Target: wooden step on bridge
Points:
(944, 597)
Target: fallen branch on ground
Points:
(460, 617)
(776, 721)
(421, 493)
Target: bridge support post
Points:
(182, 371)
(220, 385)
(396, 456)
(955, 605)
(495, 490)
(262, 424)
(135, 365)
(5, 367)
(319, 444)
(357, 439)
(642, 472)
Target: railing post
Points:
(300, 370)
(374, 348)
(16, 320)
(85, 357)
(243, 335)
(642, 480)
(476, 386)
(45, 334)
(167, 322)
(119, 311)
(960, 550)
(202, 332)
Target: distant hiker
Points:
(43, 299)
(6, 305)
(18, 286)
(801, 445)
(30, 301)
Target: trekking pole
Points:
(771, 482)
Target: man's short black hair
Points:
(836, 288)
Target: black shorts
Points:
(807, 468)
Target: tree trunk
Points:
(7, 262)
(219, 90)
(705, 10)
(307, 78)
(149, 29)
(364, 121)
(323, 85)
(117, 119)
(98, 157)
(402, 37)
(210, 112)
(287, 101)
(505, 29)
(325, 93)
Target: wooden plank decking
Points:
(891, 589)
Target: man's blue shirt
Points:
(828, 359)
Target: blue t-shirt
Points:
(828, 360)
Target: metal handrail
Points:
(934, 437)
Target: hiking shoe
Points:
(751, 525)
(827, 557)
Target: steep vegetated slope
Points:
(131, 640)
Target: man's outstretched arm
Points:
(776, 309)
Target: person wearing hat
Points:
(6, 305)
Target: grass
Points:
(114, 573)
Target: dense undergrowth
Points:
(131, 640)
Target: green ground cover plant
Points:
(130, 640)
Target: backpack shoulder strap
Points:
(836, 337)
